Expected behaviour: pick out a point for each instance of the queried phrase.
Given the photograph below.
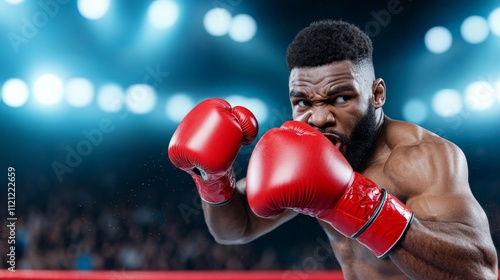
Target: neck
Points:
(380, 120)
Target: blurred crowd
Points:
(139, 226)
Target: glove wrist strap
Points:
(368, 213)
(216, 191)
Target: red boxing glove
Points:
(297, 167)
(205, 145)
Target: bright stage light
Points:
(447, 103)
(479, 96)
(48, 89)
(93, 9)
(140, 98)
(178, 106)
(79, 92)
(255, 105)
(494, 21)
(110, 98)
(162, 14)
(243, 28)
(217, 21)
(15, 92)
(438, 39)
(258, 108)
(415, 111)
(474, 29)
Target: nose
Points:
(321, 117)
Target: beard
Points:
(362, 140)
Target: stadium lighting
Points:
(15, 92)
(415, 111)
(162, 14)
(255, 105)
(110, 98)
(93, 9)
(479, 96)
(48, 89)
(79, 92)
(447, 103)
(494, 21)
(178, 106)
(217, 21)
(438, 39)
(140, 98)
(474, 29)
(243, 28)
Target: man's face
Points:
(336, 99)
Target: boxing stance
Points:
(392, 197)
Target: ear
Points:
(378, 90)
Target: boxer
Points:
(393, 198)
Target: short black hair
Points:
(327, 41)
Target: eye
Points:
(341, 99)
(302, 103)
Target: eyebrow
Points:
(299, 94)
(341, 89)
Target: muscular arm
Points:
(450, 235)
(445, 250)
(234, 223)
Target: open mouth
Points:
(334, 139)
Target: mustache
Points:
(343, 138)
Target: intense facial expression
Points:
(337, 100)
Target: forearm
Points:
(228, 223)
(445, 250)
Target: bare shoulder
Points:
(422, 162)
(431, 175)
